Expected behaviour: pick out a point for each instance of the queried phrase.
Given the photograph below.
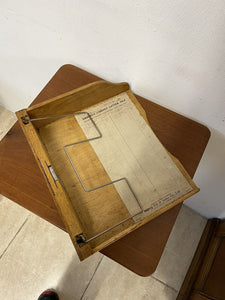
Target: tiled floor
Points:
(35, 255)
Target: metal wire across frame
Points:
(98, 136)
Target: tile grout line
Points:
(164, 283)
(91, 278)
(18, 231)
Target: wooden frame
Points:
(204, 279)
(36, 133)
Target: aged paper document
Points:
(129, 149)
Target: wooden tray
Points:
(84, 214)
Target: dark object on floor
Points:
(48, 295)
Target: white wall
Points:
(172, 52)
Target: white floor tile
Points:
(180, 248)
(12, 217)
(40, 257)
(7, 120)
(114, 282)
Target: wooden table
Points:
(22, 181)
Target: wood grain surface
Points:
(22, 181)
(205, 276)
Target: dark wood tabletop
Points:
(22, 182)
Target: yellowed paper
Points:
(129, 149)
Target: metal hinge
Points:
(52, 172)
